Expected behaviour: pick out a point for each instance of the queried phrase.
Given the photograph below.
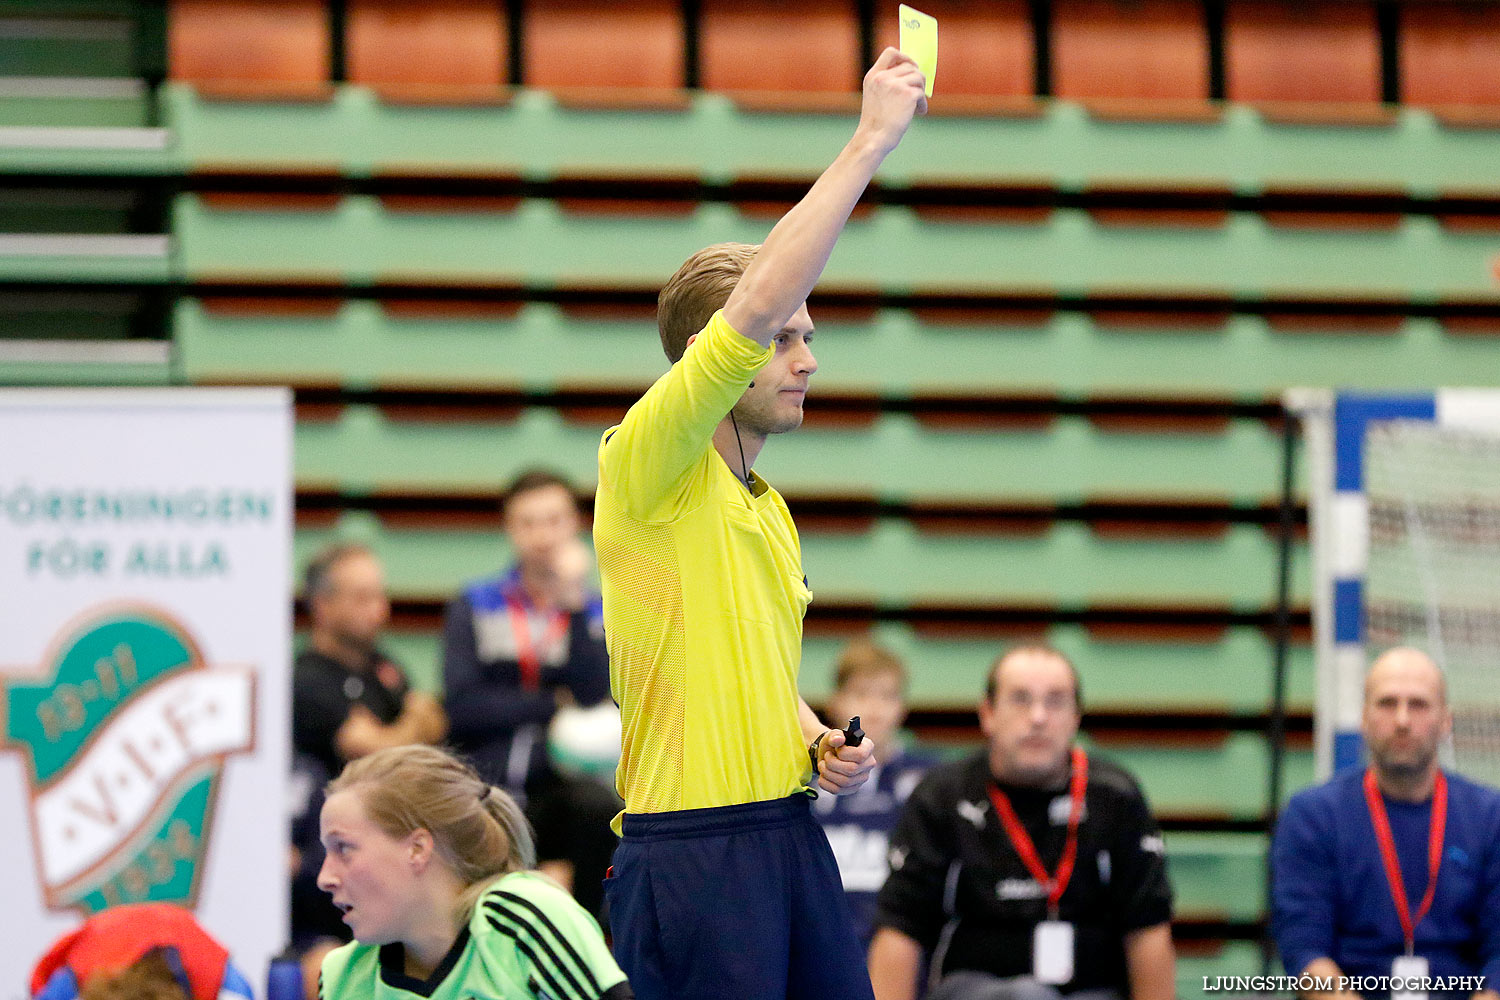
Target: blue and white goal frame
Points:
(1336, 426)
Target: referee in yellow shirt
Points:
(723, 884)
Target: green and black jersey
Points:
(526, 938)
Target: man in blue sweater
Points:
(1390, 876)
(516, 648)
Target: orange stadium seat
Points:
(1137, 51)
(1450, 55)
(250, 48)
(1277, 51)
(428, 48)
(631, 45)
(743, 47)
(987, 46)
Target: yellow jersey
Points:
(704, 595)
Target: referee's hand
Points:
(842, 769)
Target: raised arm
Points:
(779, 279)
(647, 459)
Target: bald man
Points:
(1336, 913)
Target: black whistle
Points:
(853, 735)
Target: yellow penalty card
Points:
(919, 40)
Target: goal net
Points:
(1404, 509)
(1433, 578)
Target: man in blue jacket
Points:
(1390, 876)
(516, 648)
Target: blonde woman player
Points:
(429, 865)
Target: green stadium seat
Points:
(1219, 778)
(1063, 147)
(895, 564)
(1189, 778)
(1071, 461)
(1230, 674)
(891, 250)
(1067, 566)
(360, 343)
(363, 450)
(1218, 876)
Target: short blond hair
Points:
(477, 830)
(863, 657)
(699, 289)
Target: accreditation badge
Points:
(1052, 952)
(1408, 972)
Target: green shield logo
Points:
(124, 730)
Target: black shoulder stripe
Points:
(520, 905)
(536, 963)
(524, 927)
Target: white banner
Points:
(145, 662)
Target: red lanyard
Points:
(1056, 884)
(526, 654)
(1387, 844)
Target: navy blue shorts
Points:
(739, 901)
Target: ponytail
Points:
(477, 829)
